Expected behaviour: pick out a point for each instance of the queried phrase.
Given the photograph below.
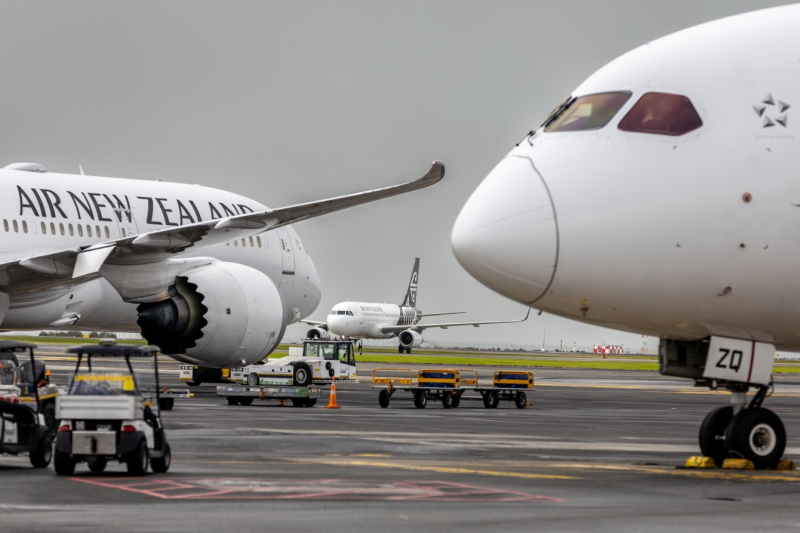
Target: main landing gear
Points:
(744, 431)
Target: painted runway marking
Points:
(322, 489)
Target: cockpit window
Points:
(342, 312)
(333, 312)
(662, 114)
(590, 112)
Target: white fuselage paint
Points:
(365, 319)
(652, 233)
(47, 212)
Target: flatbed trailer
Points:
(449, 387)
(245, 394)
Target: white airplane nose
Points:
(506, 235)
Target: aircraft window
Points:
(342, 312)
(61, 227)
(590, 112)
(236, 243)
(243, 243)
(5, 224)
(108, 235)
(80, 230)
(227, 244)
(661, 114)
(258, 240)
(283, 245)
(52, 228)
(89, 231)
(44, 228)
(16, 226)
(121, 230)
(71, 231)
(350, 313)
(251, 242)
(333, 312)
(24, 227)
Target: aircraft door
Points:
(126, 222)
(287, 253)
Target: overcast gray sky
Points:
(292, 101)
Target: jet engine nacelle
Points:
(410, 338)
(318, 333)
(219, 315)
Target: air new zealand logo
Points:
(769, 106)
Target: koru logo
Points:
(771, 107)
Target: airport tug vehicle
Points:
(448, 386)
(296, 377)
(743, 431)
(111, 411)
(23, 426)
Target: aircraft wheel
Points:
(408, 350)
(97, 464)
(383, 398)
(65, 465)
(758, 435)
(490, 400)
(245, 401)
(400, 349)
(420, 400)
(447, 400)
(521, 400)
(712, 434)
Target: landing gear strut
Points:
(745, 431)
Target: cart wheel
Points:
(490, 400)
(50, 422)
(383, 398)
(311, 402)
(245, 401)
(233, 400)
(137, 460)
(447, 400)
(456, 400)
(297, 402)
(65, 465)
(166, 404)
(40, 458)
(97, 464)
(252, 379)
(420, 400)
(194, 383)
(161, 464)
(521, 399)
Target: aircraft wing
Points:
(442, 314)
(76, 265)
(422, 327)
(315, 323)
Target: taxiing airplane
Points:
(211, 277)
(662, 197)
(368, 320)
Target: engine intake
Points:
(410, 338)
(318, 333)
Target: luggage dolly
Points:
(448, 386)
(166, 398)
(245, 394)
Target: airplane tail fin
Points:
(411, 293)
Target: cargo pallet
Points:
(447, 386)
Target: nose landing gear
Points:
(744, 431)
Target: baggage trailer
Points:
(245, 394)
(447, 386)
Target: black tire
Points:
(420, 400)
(302, 375)
(40, 457)
(521, 400)
(50, 422)
(311, 402)
(233, 400)
(490, 400)
(194, 383)
(137, 460)
(297, 402)
(400, 349)
(712, 434)
(245, 401)
(65, 465)
(161, 464)
(408, 350)
(383, 398)
(758, 435)
(98, 464)
(447, 400)
(252, 379)
(456, 400)
(166, 404)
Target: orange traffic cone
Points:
(332, 399)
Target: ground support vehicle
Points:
(23, 427)
(318, 362)
(194, 375)
(35, 375)
(245, 394)
(447, 386)
(106, 415)
(166, 397)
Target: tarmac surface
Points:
(596, 451)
